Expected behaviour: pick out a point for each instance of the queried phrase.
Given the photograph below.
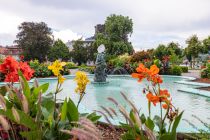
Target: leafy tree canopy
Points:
(59, 50)
(79, 52)
(206, 43)
(115, 38)
(35, 39)
(194, 46)
(118, 27)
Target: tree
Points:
(35, 39)
(118, 27)
(79, 52)
(173, 48)
(59, 50)
(194, 48)
(206, 44)
(140, 56)
(115, 37)
(160, 51)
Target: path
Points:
(192, 73)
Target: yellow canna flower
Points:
(56, 67)
(61, 79)
(82, 80)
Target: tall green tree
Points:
(161, 51)
(79, 52)
(194, 47)
(173, 48)
(118, 27)
(59, 50)
(206, 44)
(115, 37)
(35, 39)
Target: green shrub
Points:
(184, 69)
(120, 60)
(41, 69)
(205, 73)
(89, 69)
(176, 70)
(70, 65)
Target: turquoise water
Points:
(97, 96)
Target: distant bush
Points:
(88, 69)
(176, 70)
(120, 61)
(41, 69)
(184, 69)
(71, 65)
(140, 56)
(205, 73)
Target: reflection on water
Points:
(97, 96)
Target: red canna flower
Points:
(10, 68)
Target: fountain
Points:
(100, 75)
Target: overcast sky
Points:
(155, 21)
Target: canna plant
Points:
(81, 80)
(139, 126)
(155, 95)
(135, 126)
(32, 113)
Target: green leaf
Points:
(24, 118)
(72, 111)
(48, 102)
(26, 88)
(32, 135)
(93, 117)
(132, 116)
(165, 137)
(175, 125)
(143, 118)
(128, 136)
(150, 124)
(64, 110)
(3, 90)
(43, 88)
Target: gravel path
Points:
(192, 73)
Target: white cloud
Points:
(155, 21)
(66, 35)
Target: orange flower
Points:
(165, 106)
(153, 70)
(152, 98)
(156, 79)
(164, 95)
(136, 75)
(151, 74)
(142, 69)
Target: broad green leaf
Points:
(32, 135)
(128, 136)
(48, 102)
(132, 116)
(3, 90)
(175, 125)
(26, 88)
(24, 118)
(143, 118)
(165, 137)
(64, 110)
(43, 88)
(72, 111)
(149, 123)
(93, 117)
